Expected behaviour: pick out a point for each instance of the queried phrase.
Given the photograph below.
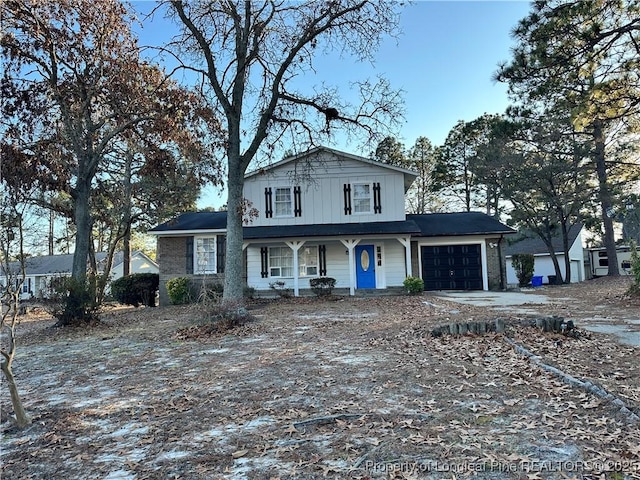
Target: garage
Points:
(452, 267)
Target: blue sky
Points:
(443, 61)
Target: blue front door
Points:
(365, 267)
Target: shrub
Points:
(322, 286)
(413, 285)
(71, 301)
(137, 289)
(280, 288)
(248, 292)
(523, 264)
(179, 290)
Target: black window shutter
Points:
(347, 198)
(264, 260)
(268, 209)
(322, 260)
(221, 252)
(189, 255)
(377, 204)
(297, 204)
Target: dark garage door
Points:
(452, 267)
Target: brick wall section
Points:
(171, 256)
(495, 264)
(416, 269)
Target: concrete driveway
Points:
(625, 328)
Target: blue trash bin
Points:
(536, 281)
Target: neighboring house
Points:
(543, 263)
(327, 213)
(599, 261)
(39, 271)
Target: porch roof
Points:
(461, 223)
(406, 227)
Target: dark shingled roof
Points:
(194, 221)
(428, 225)
(529, 242)
(463, 223)
(332, 229)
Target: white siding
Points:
(322, 194)
(390, 274)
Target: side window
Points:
(205, 255)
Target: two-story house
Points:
(327, 213)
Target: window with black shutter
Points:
(347, 198)
(189, 255)
(264, 262)
(322, 260)
(297, 202)
(221, 252)
(377, 201)
(268, 201)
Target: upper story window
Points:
(362, 198)
(283, 202)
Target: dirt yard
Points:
(354, 388)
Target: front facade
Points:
(331, 214)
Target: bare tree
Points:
(11, 248)
(252, 54)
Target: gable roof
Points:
(529, 242)
(461, 223)
(409, 175)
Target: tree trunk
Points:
(233, 284)
(82, 217)
(22, 419)
(605, 198)
(51, 239)
(126, 253)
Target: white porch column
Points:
(351, 245)
(406, 242)
(295, 246)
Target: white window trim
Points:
(353, 198)
(270, 268)
(196, 265)
(275, 202)
(317, 265)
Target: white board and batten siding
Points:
(390, 273)
(322, 191)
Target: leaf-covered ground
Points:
(342, 388)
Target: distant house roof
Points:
(428, 225)
(462, 223)
(62, 264)
(529, 242)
